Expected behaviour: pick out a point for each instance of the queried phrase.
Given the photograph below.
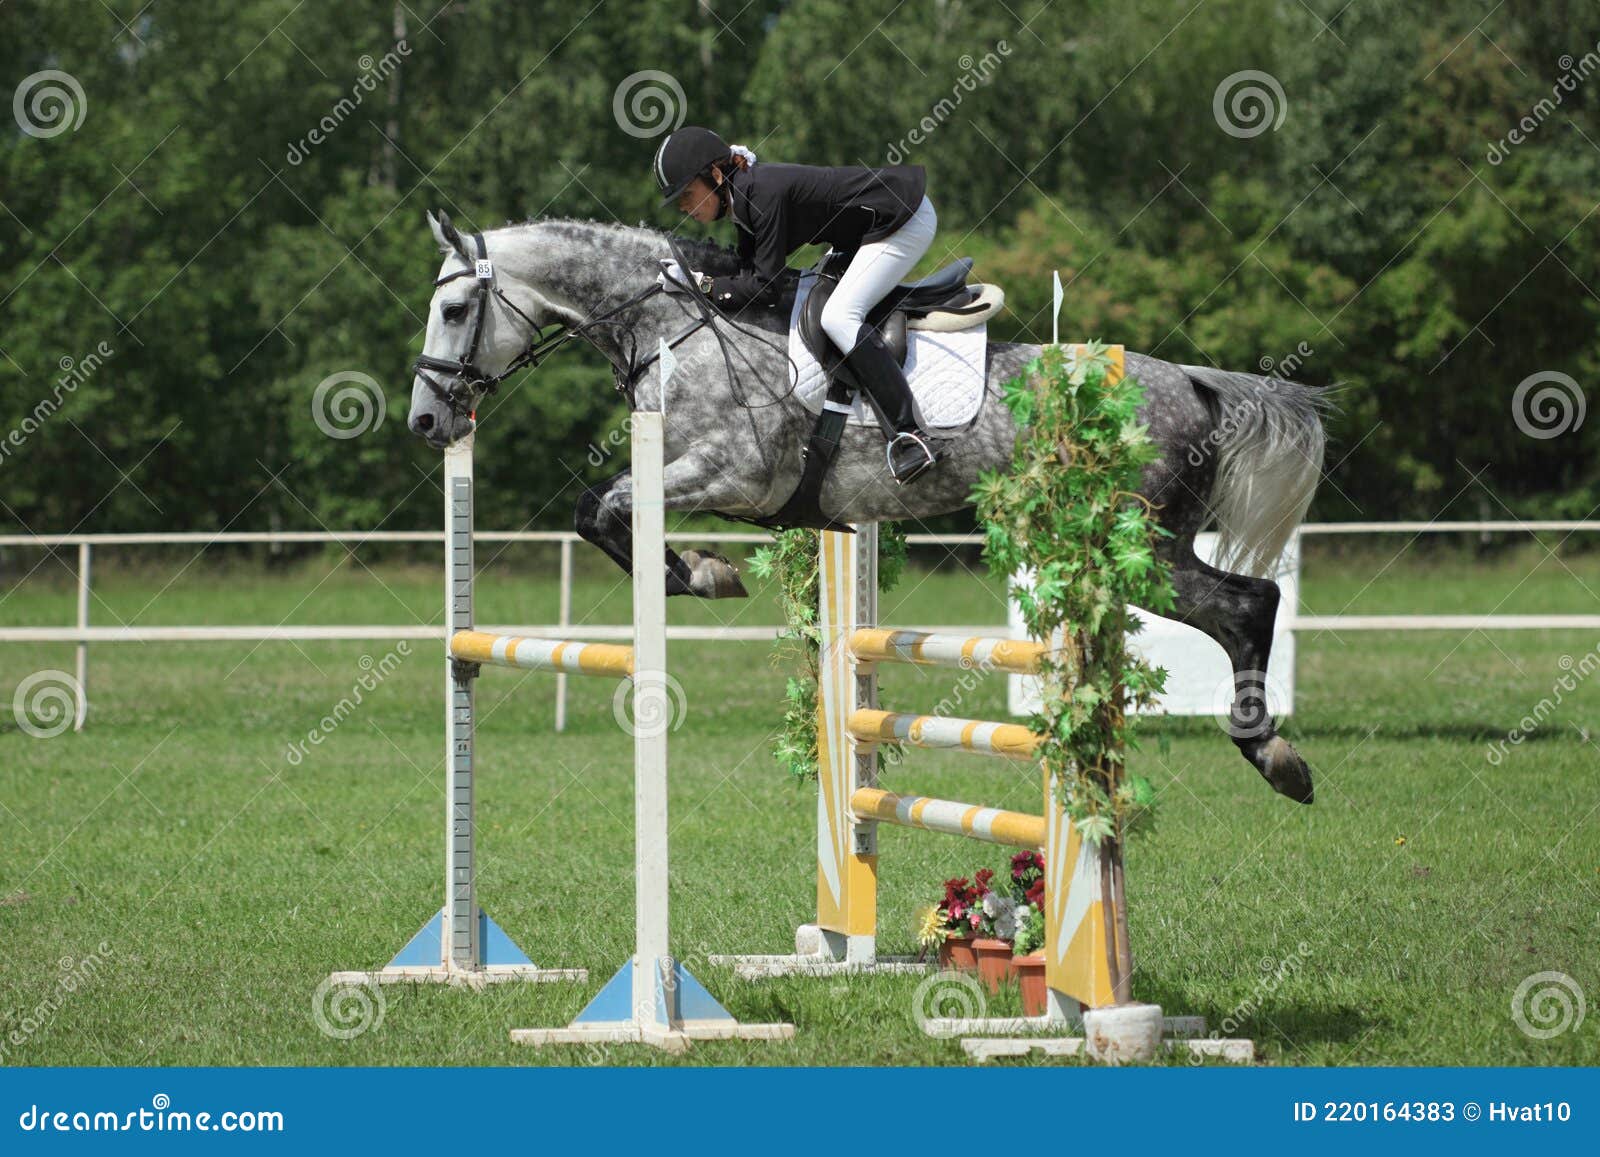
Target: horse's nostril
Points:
(422, 423)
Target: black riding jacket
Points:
(781, 208)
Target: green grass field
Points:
(218, 882)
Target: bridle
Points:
(468, 382)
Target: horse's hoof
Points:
(712, 576)
(1282, 767)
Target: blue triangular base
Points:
(426, 948)
(614, 1002)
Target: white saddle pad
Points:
(946, 372)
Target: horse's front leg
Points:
(605, 517)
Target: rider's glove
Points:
(674, 278)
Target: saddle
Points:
(942, 301)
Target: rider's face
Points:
(699, 201)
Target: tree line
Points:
(209, 211)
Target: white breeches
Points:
(873, 272)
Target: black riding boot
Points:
(874, 366)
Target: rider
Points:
(880, 216)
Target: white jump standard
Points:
(653, 999)
(461, 945)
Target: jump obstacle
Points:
(652, 999)
(461, 944)
(850, 806)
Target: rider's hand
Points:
(674, 278)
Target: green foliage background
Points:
(1369, 229)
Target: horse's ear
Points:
(446, 234)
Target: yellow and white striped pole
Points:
(1008, 740)
(885, 645)
(607, 659)
(991, 824)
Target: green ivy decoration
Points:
(792, 561)
(1069, 511)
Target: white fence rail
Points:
(82, 633)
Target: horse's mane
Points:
(706, 256)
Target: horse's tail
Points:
(1270, 444)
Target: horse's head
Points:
(476, 335)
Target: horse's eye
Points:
(455, 312)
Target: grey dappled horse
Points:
(1242, 449)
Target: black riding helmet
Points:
(686, 154)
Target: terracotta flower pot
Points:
(956, 954)
(1029, 971)
(994, 961)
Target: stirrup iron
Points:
(919, 465)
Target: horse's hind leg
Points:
(604, 516)
(1238, 612)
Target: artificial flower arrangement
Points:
(977, 926)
